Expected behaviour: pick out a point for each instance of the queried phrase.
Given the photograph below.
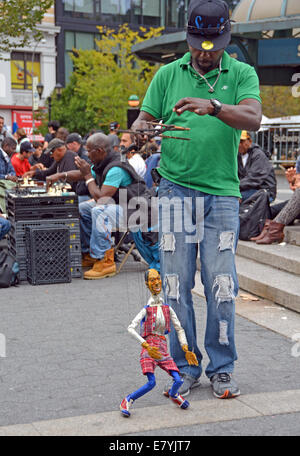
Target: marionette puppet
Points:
(155, 319)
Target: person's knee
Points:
(151, 383)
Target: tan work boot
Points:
(102, 268)
(87, 261)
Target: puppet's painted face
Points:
(154, 282)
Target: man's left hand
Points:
(199, 106)
(83, 166)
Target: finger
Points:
(186, 107)
(181, 102)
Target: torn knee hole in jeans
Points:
(167, 243)
(224, 288)
(172, 286)
(227, 241)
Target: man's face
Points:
(96, 154)
(206, 60)
(125, 140)
(74, 146)
(244, 145)
(59, 153)
(38, 151)
(154, 282)
(10, 149)
(1, 123)
(26, 154)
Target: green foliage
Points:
(19, 20)
(278, 101)
(104, 79)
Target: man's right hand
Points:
(12, 178)
(53, 178)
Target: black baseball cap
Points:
(26, 146)
(114, 125)
(54, 144)
(208, 25)
(74, 137)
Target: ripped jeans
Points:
(213, 227)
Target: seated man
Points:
(98, 217)
(273, 230)
(4, 226)
(20, 160)
(133, 157)
(64, 161)
(7, 150)
(254, 169)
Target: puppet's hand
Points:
(152, 351)
(190, 356)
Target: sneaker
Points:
(124, 406)
(224, 387)
(178, 400)
(189, 383)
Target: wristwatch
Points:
(217, 106)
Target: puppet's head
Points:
(153, 281)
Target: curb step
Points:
(285, 257)
(292, 235)
(268, 282)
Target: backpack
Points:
(253, 213)
(9, 270)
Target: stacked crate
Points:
(43, 211)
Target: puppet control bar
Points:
(152, 132)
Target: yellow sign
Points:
(207, 45)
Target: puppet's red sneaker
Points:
(180, 401)
(124, 406)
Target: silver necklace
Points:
(211, 87)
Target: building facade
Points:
(17, 69)
(78, 21)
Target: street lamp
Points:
(133, 110)
(40, 89)
(58, 92)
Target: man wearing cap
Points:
(216, 97)
(113, 136)
(74, 143)
(20, 160)
(64, 161)
(254, 169)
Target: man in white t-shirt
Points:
(133, 157)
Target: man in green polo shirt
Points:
(216, 97)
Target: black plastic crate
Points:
(41, 206)
(48, 255)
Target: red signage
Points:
(23, 119)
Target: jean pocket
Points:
(166, 188)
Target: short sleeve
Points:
(248, 85)
(154, 96)
(117, 177)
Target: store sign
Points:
(23, 119)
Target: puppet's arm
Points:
(189, 356)
(153, 351)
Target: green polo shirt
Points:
(208, 162)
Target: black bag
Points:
(253, 213)
(9, 270)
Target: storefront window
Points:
(23, 69)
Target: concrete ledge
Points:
(270, 283)
(284, 256)
(292, 235)
(158, 417)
